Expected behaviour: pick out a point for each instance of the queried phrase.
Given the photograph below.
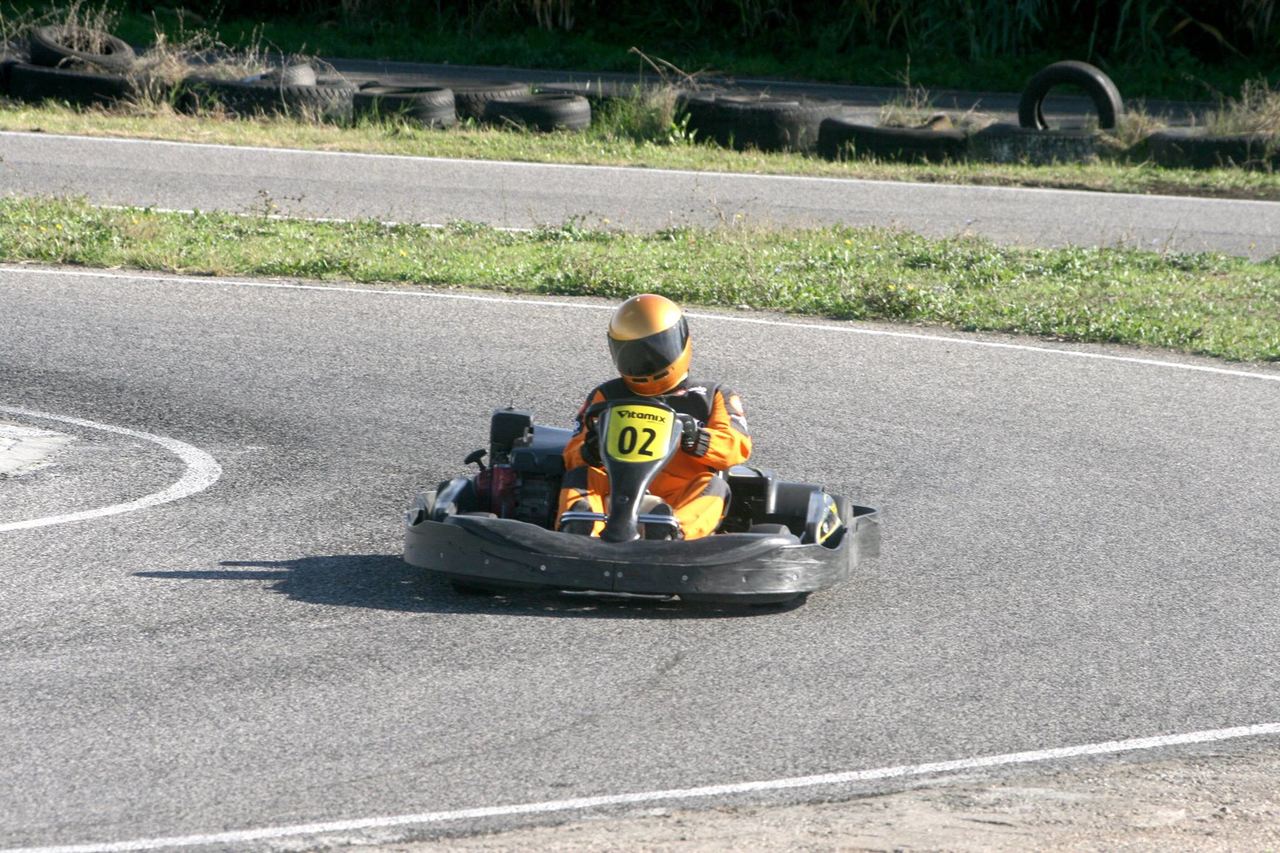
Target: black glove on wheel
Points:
(591, 447)
(694, 440)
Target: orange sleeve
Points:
(730, 441)
(573, 450)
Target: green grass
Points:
(1206, 304)
(622, 139)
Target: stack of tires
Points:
(766, 124)
(73, 65)
(496, 103)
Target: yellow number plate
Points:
(638, 433)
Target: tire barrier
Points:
(330, 99)
(1196, 148)
(1009, 143)
(1097, 85)
(471, 97)
(544, 112)
(766, 124)
(429, 106)
(34, 83)
(839, 138)
(62, 46)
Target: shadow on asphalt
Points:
(386, 582)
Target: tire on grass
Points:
(1096, 84)
(35, 83)
(767, 124)
(430, 106)
(470, 96)
(1195, 148)
(55, 47)
(839, 138)
(330, 99)
(1009, 143)
(540, 112)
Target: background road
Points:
(1075, 550)
(183, 176)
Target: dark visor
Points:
(654, 354)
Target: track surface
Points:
(1075, 550)
(175, 175)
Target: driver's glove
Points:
(694, 440)
(591, 446)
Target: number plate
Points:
(638, 433)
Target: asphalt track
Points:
(411, 189)
(1080, 546)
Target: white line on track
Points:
(202, 472)
(1143, 198)
(595, 306)
(905, 771)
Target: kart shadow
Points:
(386, 582)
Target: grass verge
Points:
(614, 140)
(1204, 304)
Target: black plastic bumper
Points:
(735, 566)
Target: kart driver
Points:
(649, 341)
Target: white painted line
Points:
(24, 449)
(202, 472)
(905, 771)
(596, 306)
(1134, 198)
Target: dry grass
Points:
(1256, 111)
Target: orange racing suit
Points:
(689, 482)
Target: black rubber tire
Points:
(34, 83)
(704, 121)
(766, 124)
(1096, 84)
(1194, 148)
(597, 92)
(840, 137)
(540, 112)
(294, 74)
(1009, 143)
(430, 106)
(471, 97)
(5, 64)
(50, 47)
(330, 99)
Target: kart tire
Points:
(543, 113)
(1096, 84)
(1009, 143)
(35, 83)
(839, 138)
(330, 99)
(471, 97)
(429, 106)
(50, 47)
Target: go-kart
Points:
(497, 530)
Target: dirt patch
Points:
(1218, 800)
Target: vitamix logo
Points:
(641, 416)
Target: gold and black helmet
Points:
(649, 341)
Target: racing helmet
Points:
(649, 342)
